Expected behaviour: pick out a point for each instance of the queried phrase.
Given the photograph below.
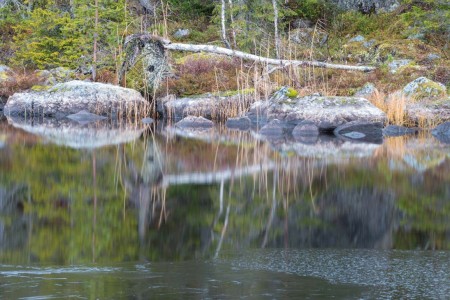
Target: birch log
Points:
(152, 50)
(261, 59)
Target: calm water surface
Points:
(126, 211)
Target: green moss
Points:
(39, 88)
(235, 92)
(430, 89)
(3, 76)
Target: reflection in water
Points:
(168, 197)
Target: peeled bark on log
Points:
(152, 48)
(261, 59)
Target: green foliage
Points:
(52, 35)
(429, 17)
(312, 9)
(253, 23)
(192, 8)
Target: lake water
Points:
(126, 211)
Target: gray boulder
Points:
(301, 23)
(55, 76)
(308, 36)
(209, 106)
(4, 68)
(428, 111)
(367, 6)
(358, 38)
(241, 123)
(305, 128)
(422, 88)
(395, 130)
(4, 76)
(326, 113)
(361, 132)
(71, 97)
(181, 33)
(366, 91)
(395, 65)
(442, 132)
(195, 122)
(273, 129)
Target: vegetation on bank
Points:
(48, 34)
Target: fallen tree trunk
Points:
(152, 48)
(261, 59)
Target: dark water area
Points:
(132, 211)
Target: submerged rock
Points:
(326, 113)
(361, 131)
(195, 122)
(71, 97)
(442, 132)
(92, 135)
(395, 130)
(241, 123)
(84, 117)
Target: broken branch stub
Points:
(152, 48)
(150, 51)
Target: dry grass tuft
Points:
(18, 81)
(393, 105)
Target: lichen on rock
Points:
(423, 87)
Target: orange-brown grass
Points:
(202, 74)
(393, 106)
(18, 81)
(107, 76)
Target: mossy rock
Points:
(424, 88)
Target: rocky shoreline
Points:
(303, 118)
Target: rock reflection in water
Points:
(168, 197)
(66, 132)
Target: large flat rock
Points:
(209, 106)
(326, 113)
(71, 97)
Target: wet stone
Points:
(273, 129)
(241, 123)
(395, 130)
(442, 132)
(361, 131)
(195, 122)
(84, 117)
(305, 128)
